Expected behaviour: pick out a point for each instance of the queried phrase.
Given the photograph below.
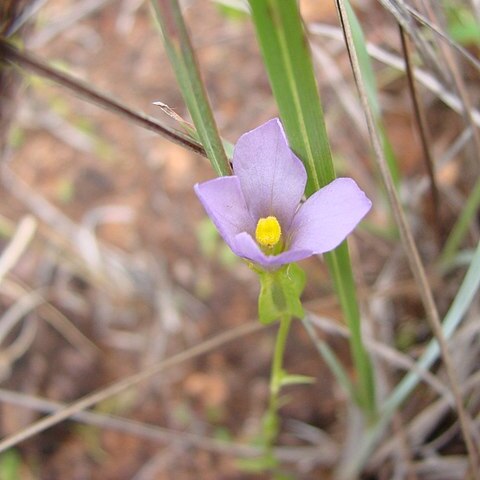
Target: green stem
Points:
(271, 421)
(277, 370)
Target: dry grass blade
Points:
(452, 65)
(325, 453)
(30, 62)
(20, 241)
(422, 425)
(420, 18)
(409, 244)
(52, 316)
(117, 387)
(24, 15)
(421, 122)
(422, 76)
(13, 315)
(399, 11)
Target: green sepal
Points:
(280, 292)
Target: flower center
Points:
(268, 232)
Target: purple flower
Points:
(258, 211)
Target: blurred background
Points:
(109, 264)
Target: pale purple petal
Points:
(328, 216)
(246, 247)
(224, 203)
(272, 178)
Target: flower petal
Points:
(328, 216)
(246, 247)
(272, 178)
(224, 203)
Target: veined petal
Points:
(272, 178)
(328, 216)
(246, 247)
(224, 203)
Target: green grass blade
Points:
(452, 320)
(181, 54)
(289, 65)
(288, 61)
(330, 358)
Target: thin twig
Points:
(30, 62)
(409, 244)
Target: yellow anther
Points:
(268, 232)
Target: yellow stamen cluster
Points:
(268, 232)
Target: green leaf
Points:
(288, 379)
(280, 293)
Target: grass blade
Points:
(181, 54)
(422, 126)
(330, 358)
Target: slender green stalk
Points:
(181, 54)
(277, 369)
(271, 421)
(288, 61)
